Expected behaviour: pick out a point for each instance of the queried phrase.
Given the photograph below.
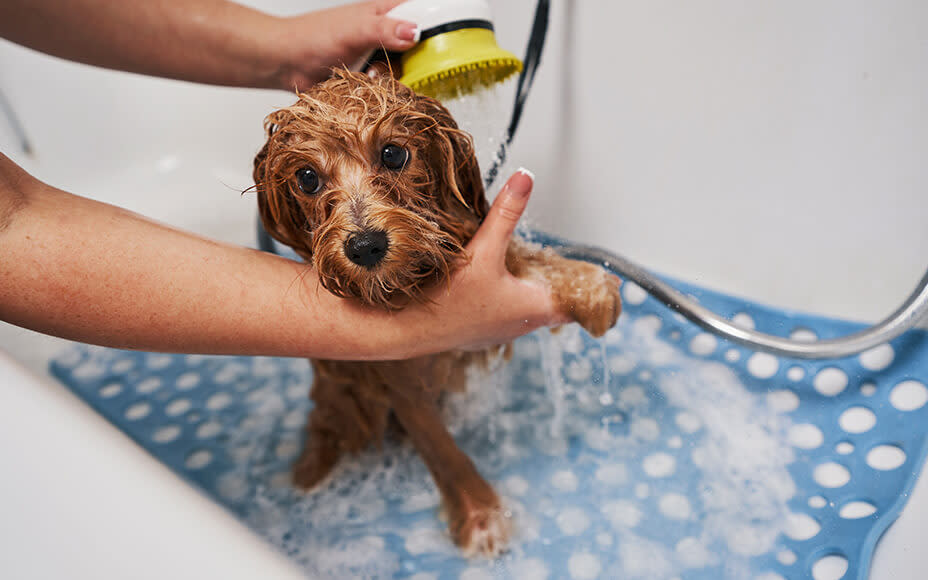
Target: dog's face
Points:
(373, 185)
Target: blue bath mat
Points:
(657, 452)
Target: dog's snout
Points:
(367, 248)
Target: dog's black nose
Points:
(367, 248)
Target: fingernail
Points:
(408, 31)
(526, 173)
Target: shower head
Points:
(457, 51)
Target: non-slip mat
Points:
(656, 452)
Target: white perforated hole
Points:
(209, 429)
(732, 355)
(802, 334)
(158, 361)
(149, 385)
(763, 365)
(857, 420)
(198, 459)
(232, 486)
(831, 567)
(817, 502)
(138, 411)
(583, 565)
(801, 526)
(187, 381)
(831, 475)
(177, 407)
(786, 557)
(908, 396)
(166, 434)
(867, 389)
(110, 390)
(123, 365)
(659, 465)
(845, 448)
(854, 510)
(806, 436)
(744, 320)
(218, 401)
(885, 457)
(877, 358)
(830, 381)
(796, 374)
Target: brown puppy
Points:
(379, 191)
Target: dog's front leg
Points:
(477, 522)
(584, 292)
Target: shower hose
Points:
(905, 317)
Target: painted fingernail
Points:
(526, 173)
(407, 31)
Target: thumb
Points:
(504, 215)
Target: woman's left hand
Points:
(342, 36)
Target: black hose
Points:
(536, 43)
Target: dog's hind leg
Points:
(342, 420)
(477, 522)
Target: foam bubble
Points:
(622, 513)
(564, 480)
(692, 553)
(783, 401)
(572, 521)
(612, 474)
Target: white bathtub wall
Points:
(775, 150)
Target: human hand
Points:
(314, 42)
(484, 304)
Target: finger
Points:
(504, 215)
(395, 35)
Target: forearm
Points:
(212, 41)
(87, 271)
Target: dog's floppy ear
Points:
(454, 160)
(280, 212)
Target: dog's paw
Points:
(599, 303)
(483, 532)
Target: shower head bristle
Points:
(457, 62)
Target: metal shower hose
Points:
(905, 317)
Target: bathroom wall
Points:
(773, 150)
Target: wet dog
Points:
(379, 191)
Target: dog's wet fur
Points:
(379, 191)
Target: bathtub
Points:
(774, 152)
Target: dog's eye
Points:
(308, 180)
(394, 157)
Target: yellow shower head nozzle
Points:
(457, 62)
(457, 51)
